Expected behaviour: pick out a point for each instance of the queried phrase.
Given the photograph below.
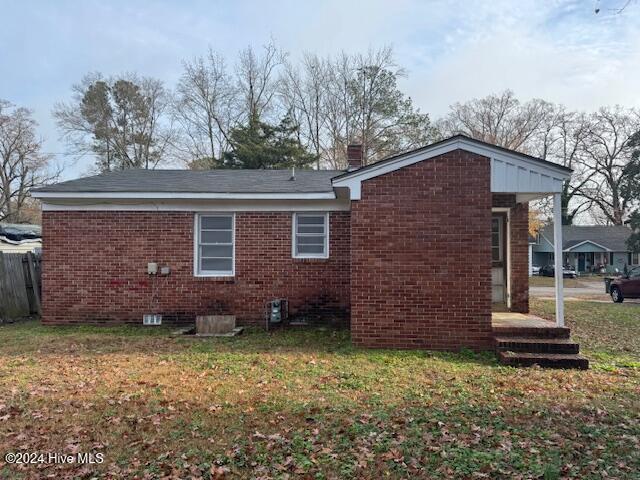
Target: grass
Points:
(608, 333)
(306, 404)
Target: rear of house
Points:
(411, 252)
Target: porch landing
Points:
(524, 340)
(513, 323)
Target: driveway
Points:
(587, 289)
(590, 291)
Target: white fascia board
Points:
(334, 205)
(186, 196)
(556, 175)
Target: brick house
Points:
(414, 251)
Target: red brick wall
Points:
(421, 256)
(95, 264)
(520, 258)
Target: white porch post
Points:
(557, 249)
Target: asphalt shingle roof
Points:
(201, 181)
(613, 237)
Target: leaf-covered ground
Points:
(306, 404)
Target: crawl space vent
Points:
(152, 319)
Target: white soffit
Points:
(510, 172)
(335, 205)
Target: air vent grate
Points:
(152, 319)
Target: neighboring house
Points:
(386, 247)
(587, 248)
(20, 238)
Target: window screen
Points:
(311, 232)
(215, 242)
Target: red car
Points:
(626, 286)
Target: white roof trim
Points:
(185, 196)
(510, 172)
(339, 205)
(587, 241)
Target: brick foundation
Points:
(95, 269)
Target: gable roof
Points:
(196, 184)
(609, 237)
(511, 172)
(457, 137)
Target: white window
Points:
(311, 235)
(214, 249)
(634, 258)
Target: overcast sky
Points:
(559, 50)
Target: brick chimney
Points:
(354, 156)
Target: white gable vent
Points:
(152, 319)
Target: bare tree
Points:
(304, 96)
(608, 148)
(355, 98)
(257, 80)
(559, 140)
(536, 127)
(500, 119)
(205, 109)
(23, 166)
(340, 110)
(121, 120)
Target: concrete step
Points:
(533, 332)
(537, 345)
(548, 360)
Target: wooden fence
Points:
(20, 285)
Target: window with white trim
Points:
(634, 258)
(215, 245)
(311, 235)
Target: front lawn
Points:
(306, 404)
(608, 333)
(581, 282)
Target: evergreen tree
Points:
(260, 145)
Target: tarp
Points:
(17, 233)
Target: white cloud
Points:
(559, 54)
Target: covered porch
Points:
(522, 183)
(519, 338)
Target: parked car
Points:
(625, 286)
(567, 271)
(535, 270)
